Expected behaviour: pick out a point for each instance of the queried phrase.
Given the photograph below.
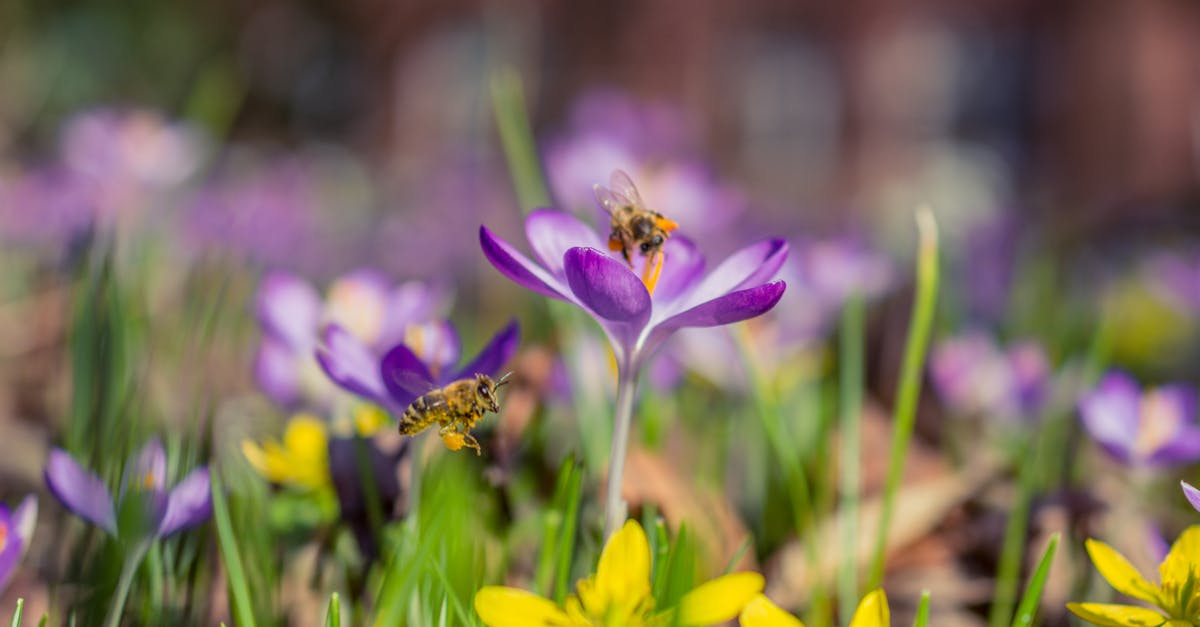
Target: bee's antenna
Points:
(503, 380)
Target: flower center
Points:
(3, 536)
(358, 308)
(1159, 422)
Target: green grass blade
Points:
(1008, 573)
(333, 616)
(239, 592)
(922, 618)
(16, 619)
(1027, 610)
(911, 371)
(544, 572)
(516, 136)
(850, 363)
(566, 541)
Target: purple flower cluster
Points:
(1154, 427)
(973, 375)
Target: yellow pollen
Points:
(652, 270)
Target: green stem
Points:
(851, 362)
(362, 458)
(1009, 571)
(516, 137)
(133, 559)
(911, 372)
(614, 508)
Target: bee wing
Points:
(620, 183)
(405, 375)
(610, 200)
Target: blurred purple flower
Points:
(973, 375)
(128, 150)
(16, 530)
(1192, 494)
(1152, 428)
(609, 131)
(577, 268)
(410, 369)
(363, 303)
(1176, 277)
(143, 507)
(48, 207)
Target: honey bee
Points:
(634, 227)
(456, 407)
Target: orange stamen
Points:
(666, 224)
(3, 536)
(652, 270)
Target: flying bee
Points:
(456, 408)
(634, 227)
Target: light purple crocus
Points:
(16, 530)
(144, 507)
(407, 370)
(1192, 494)
(1156, 427)
(363, 304)
(576, 267)
(974, 375)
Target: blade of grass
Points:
(922, 618)
(911, 370)
(1008, 573)
(566, 541)
(333, 615)
(16, 619)
(516, 136)
(239, 592)
(851, 384)
(1027, 610)
(553, 524)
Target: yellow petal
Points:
(872, 611)
(623, 574)
(761, 612)
(1111, 615)
(255, 455)
(1119, 573)
(1183, 560)
(499, 606)
(719, 600)
(305, 438)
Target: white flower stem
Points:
(614, 508)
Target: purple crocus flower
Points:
(423, 361)
(1152, 428)
(577, 268)
(1176, 276)
(973, 375)
(143, 507)
(362, 303)
(16, 530)
(1192, 494)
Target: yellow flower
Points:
(301, 460)
(1177, 599)
(618, 595)
(761, 612)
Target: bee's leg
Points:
(652, 270)
(470, 442)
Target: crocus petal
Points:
(146, 470)
(11, 548)
(495, 354)
(1113, 615)
(435, 343)
(411, 303)
(1183, 448)
(500, 606)
(405, 375)
(727, 309)
(761, 612)
(1119, 573)
(719, 600)
(277, 370)
(612, 293)
(24, 521)
(623, 574)
(748, 267)
(358, 302)
(518, 268)
(683, 265)
(1192, 494)
(1110, 413)
(188, 504)
(872, 611)
(1179, 568)
(350, 364)
(80, 491)
(552, 233)
(289, 308)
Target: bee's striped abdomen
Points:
(424, 411)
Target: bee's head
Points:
(485, 390)
(653, 243)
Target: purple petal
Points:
(350, 364)
(518, 267)
(1110, 413)
(358, 302)
(435, 343)
(277, 370)
(188, 504)
(606, 287)
(748, 267)
(1183, 448)
(552, 233)
(683, 265)
(80, 491)
(10, 549)
(405, 375)
(1156, 544)
(495, 354)
(1192, 494)
(289, 308)
(146, 470)
(411, 303)
(24, 521)
(727, 309)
